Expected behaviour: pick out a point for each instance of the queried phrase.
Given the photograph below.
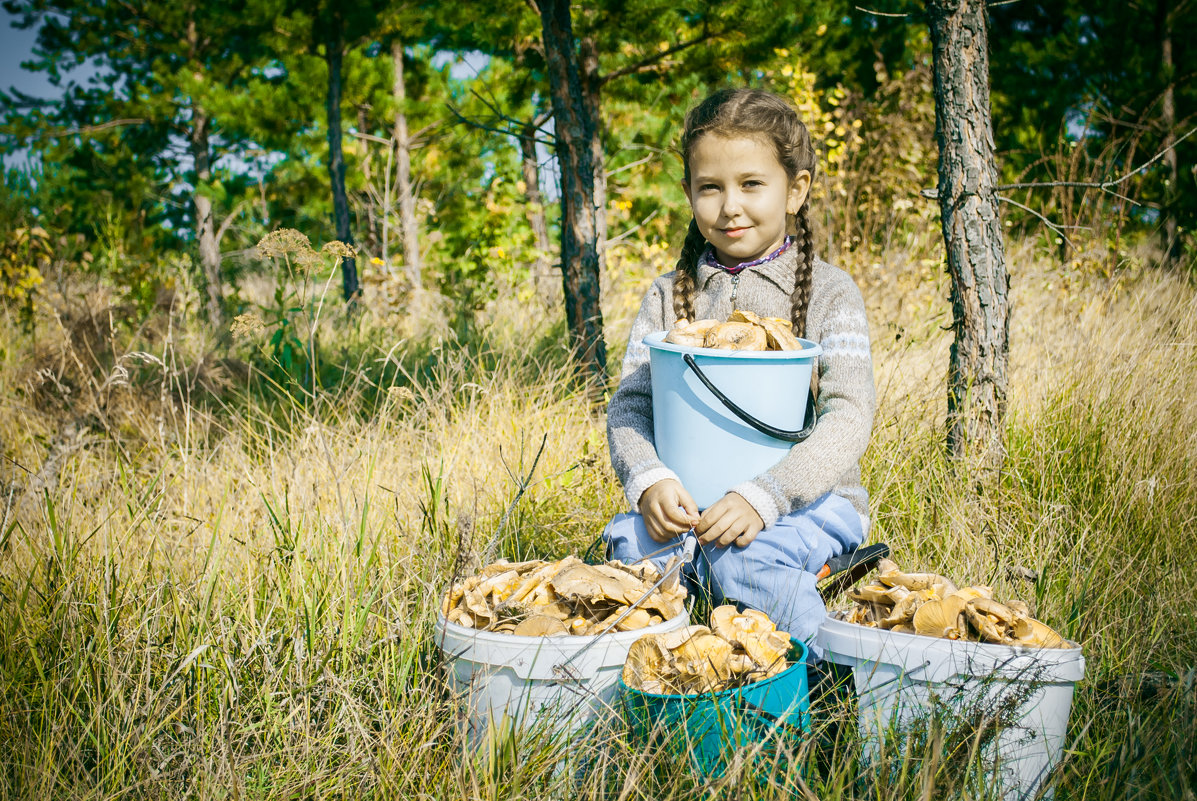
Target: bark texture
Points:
(576, 133)
(333, 47)
(205, 222)
(409, 228)
(977, 374)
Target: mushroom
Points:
(941, 617)
(879, 593)
(1038, 635)
(721, 620)
(646, 661)
(778, 332)
(904, 610)
(690, 334)
(769, 648)
(984, 616)
(636, 619)
(674, 639)
(736, 336)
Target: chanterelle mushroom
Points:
(941, 618)
(736, 336)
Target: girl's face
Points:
(741, 196)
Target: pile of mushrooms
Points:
(743, 330)
(737, 649)
(545, 599)
(929, 604)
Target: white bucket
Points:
(505, 678)
(699, 437)
(900, 678)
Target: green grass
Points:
(235, 598)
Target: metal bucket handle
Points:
(808, 425)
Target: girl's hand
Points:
(668, 510)
(731, 520)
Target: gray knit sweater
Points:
(829, 459)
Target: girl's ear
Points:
(799, 189)
(686, 189)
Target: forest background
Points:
(230, 498)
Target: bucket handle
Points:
(808, 424)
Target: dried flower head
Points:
(339, 249)
(246, 325)
(291, 245)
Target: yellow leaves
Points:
(22, 253)
(822, 29)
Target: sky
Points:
(17, 46)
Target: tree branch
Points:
(228, 220)
(1058, 229)
(91, 129)
(648, 63)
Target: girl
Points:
(748, 169)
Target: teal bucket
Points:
(708, 728)
(723, 417)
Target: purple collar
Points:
(708, 258)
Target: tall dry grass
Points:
(215, 586)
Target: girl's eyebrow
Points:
(742, 176)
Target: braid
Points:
(800, 298)
(685, 282)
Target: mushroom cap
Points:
(940, 617)
(736, 336)
(1039, 635)
(646, 661)
(689, 334)
(674, 639)
(879, 593)
(721, 620)
(769, 648)
(583, 581)
(636, 619)
(779, 333)
(540, 626)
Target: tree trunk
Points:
(205, 222)
(410, 230)
(1168, 121)
(333, 46)
(576, 131)
(591, 98)
(977, 374)
(534, 205)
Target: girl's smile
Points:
(741, 196)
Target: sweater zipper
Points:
(735, 286)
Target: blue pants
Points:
(775, 573)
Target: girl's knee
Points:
(626, 538)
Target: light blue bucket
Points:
(715, 443)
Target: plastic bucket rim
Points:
(992, 647)
(581, 640)
(810, 350)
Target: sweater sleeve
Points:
(630, 412)
(845, 407)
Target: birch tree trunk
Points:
(576, 132)
(205, 222)
(977, 374)
(591, 87)
(534, 205)
(409, 228)
(333, 46)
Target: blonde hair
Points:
(765, 116)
